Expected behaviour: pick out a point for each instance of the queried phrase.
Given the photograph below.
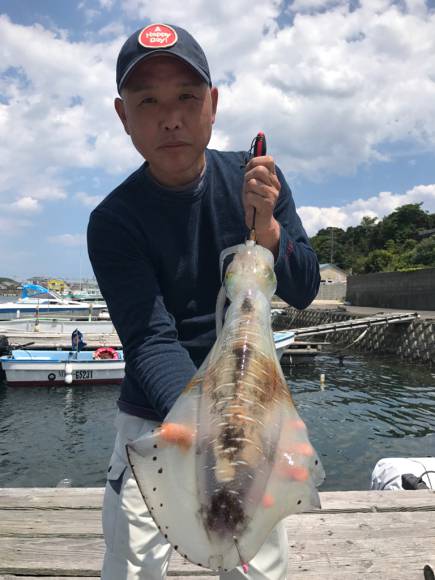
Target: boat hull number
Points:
(79, 375)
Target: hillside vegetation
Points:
(397, 242)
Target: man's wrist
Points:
(270, 238)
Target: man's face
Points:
(168, 111)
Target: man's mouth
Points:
(173, 145)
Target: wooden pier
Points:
(54, 533)
(58, 341)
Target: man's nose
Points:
(171, 118)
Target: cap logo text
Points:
(157, 36)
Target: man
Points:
(154, 244)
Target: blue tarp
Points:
(31, 290)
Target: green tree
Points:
(390, 244)
(424, 253)
(329, 246)
(379, 261)
(404, 222)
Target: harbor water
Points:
(366, 409)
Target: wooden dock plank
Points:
(67, 524)
(56, 533)
(40, 523)
(61, 556)
(343, 501)
(402, 542)
(51, 497)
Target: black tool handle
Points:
(258, 149)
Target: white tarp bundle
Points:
(388, 471)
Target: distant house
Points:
(58, 285)
(40, 280)
(331, 274)
(9, 287)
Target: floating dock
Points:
(60, 341)
(55, 533)
(301, 352)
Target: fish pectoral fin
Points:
(145, 444)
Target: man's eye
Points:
(148, 100)
(186, 96)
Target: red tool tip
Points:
(245, 568)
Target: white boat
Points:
(86, 294)
(282, 339)
(46, 368)
(55, 367)
(37, 300)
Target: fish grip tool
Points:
(257, 149)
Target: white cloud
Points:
(113, 29)
(56, 111)
(69, 240)
(10, 226)
(88, 200)
(351, 214)
(335, 89)
(26, 204)
(90, 14)
(313, 5)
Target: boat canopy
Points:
(32, 290)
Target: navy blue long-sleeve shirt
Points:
(155, 253)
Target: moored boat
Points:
(282, 339)
(46, 368)
(36, 299)
(52, 367)
(88, 294)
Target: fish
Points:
(232, 457)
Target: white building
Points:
(331, 274)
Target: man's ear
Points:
(120, 109)
(214, 101)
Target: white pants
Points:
(135, 549)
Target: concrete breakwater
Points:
(412, 341)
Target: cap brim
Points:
(155, 53)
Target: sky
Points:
(344, 91)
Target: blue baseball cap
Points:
(160, 39)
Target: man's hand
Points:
(261, 190)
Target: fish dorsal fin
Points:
(225, 253)
(221, 298)
(220, 305)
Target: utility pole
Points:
(331, 259)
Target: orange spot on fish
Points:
(176, 434)
(296, 424)
(296, 472)
(268, 500)
(302, 448)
